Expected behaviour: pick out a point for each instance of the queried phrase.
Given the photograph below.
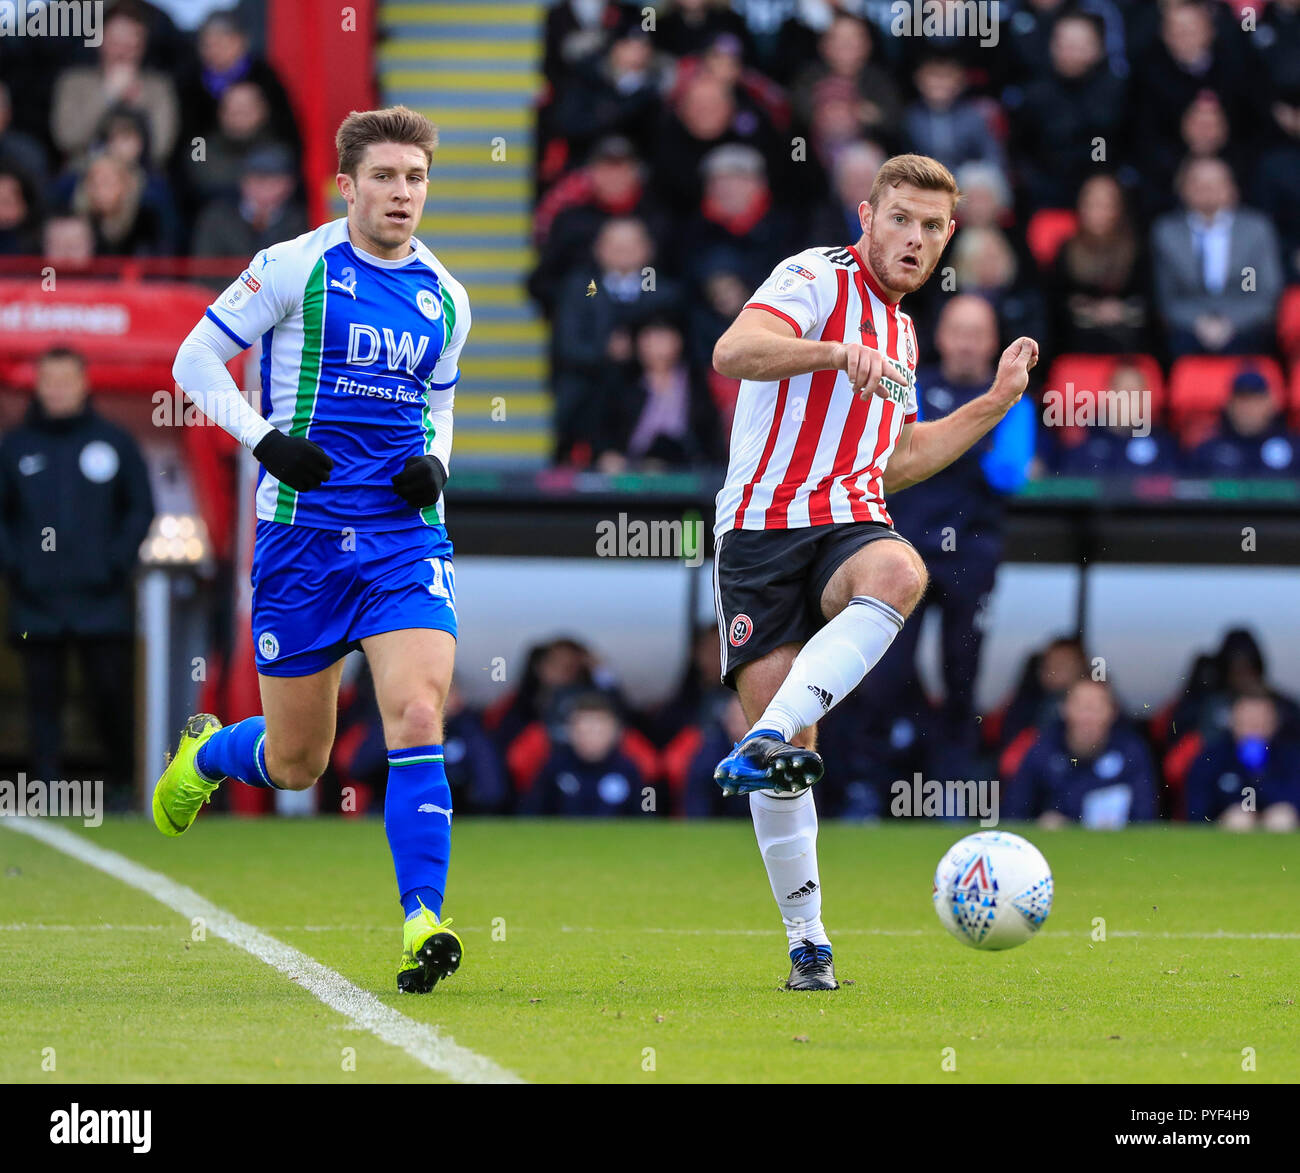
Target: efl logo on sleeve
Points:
(791, 277)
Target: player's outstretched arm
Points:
(763, 347)
(925, 448)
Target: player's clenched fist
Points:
(294, 460)
(1013, 369)
(421, 481)
(866, 366)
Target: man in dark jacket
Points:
(1090, 767)
(75, 505)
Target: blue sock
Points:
(417, 819)
(237, 751)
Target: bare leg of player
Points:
(300, 714)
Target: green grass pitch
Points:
(636, 951)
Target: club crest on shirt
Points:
(428, 304)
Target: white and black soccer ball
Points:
(993, 890)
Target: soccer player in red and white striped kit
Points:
(811, 581)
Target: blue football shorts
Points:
(318, 593)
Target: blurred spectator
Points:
(1200, 255)
(724, 60)
(110, 194)
(663, 419)
(943, 123)
(722, 727)
(1029, 31)
(1253, 440)
(554, 673)
(82, 95)
(1236, 669)
(619, 92)
(737, 214)
(1276, 187)
(1189, 58)
(724, 295)
(19, 151)
(587, 773)
(1099, 289)
(1089, 767)
(123, 134)
(836, 220)
(20, 220)
(265, 213)
(844, 62)
(705, 115)
(985, 263)
(694, 25)
(955, 520)
(243, 126)
(594, 320)
(1249, 775)
(577, 30)
(985, 196)
(75, 505)
(1126, 443)
(572, 212)
(225, 58)
(697, 691)
(1047, 677)
(68, 242)
(1064, 112)
(475, 770)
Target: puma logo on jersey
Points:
(428, 808)
(348, 287)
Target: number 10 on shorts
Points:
(443, 585)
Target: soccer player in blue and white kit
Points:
(362, 329)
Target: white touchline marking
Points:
(420, 1040)
(1081, 934)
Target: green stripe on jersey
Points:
(304, 409)
(429, 515)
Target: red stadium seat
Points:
(1090, 373)
(1047, 230)
(1288, 323)
(1199, 386)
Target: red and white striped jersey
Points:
(805, 450)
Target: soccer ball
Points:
(993, 890)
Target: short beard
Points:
(878, 265)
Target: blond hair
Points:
(917, 171)
(394, 124)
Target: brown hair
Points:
(918, 171)
(394, 124)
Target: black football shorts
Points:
(768, 584)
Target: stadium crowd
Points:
(157, 143)
(1131, 174)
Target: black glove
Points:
(295, 460)
(421, 481)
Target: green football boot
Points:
(182, 790)
(430, 951)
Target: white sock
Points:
(831, 665)
(787, 837)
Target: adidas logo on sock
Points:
(807, 890)
(824, 698)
